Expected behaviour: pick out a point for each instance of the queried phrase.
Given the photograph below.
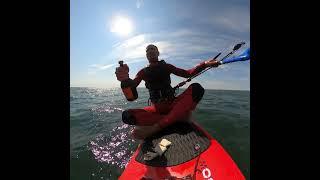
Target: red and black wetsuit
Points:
(165, 109)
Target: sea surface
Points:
(100, 146)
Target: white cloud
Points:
(101, 67)
(132, 42)
(178, 45)
(94, 68)
(106, 66)
(182, 42)
(130, 49)
(188, 43)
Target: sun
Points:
(121, 25)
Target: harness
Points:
(158, 82)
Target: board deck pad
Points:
(187, 143)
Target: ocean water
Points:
(100, 145)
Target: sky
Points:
(187, 32)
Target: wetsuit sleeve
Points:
(139, 77)
(186, 73)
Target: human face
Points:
(152, 53)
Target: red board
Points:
(213, 164)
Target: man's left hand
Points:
(212, 63)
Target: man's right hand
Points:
(122, 72)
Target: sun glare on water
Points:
(121, 26)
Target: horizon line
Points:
(146, 88)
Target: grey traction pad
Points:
(187, 143)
